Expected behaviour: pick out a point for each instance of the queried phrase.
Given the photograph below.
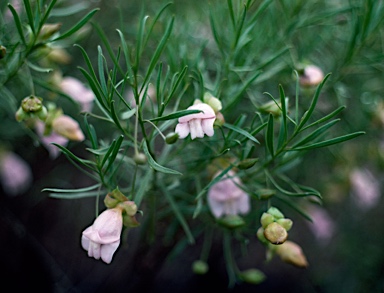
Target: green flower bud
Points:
(231, 221)
(20, 115)
(110, 202)
(291, 253)
(212, 101)
(32, 104)
(275, 233)
(260, 236)
(140, 158)
(266, 219)
(130, 221)
(252, 276)
(3, 52)
(247, 163)
(265, 193)
(220, 120)
(171, 138)
(117, 195)
(275, 212)
(285, 223)
(200, 267)
(48, 30)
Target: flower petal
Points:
(207, 113)
(107, 251)
(182, 129)
(207, 125)
(195, 128)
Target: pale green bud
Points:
(129, 207)
(285, 223)
(252, 276)
(48, 30)
(171, 138)
(140, 158)
(212, 101)
(260, 236)
(266, 219)
(231, 221)
(200, 267)
(247, 163)
(265, 193)
(275, 233)
(275, 212)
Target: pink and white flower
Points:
(227, 198)
(76, 90)
(102, 239)
(312, 76)
(15, 173)
(197, 124)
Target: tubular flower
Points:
(197, 124)
(227, 198)
(103, 237)
(67, 127)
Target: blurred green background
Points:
(40, 236)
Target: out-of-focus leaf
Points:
(175, 115)
(155, 165)
(241, 131)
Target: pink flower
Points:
(227, 198)
(15, 174)
(47, 140)
(312, 76)
(365, 188)
(103, 237)
(197, 124)
(67, 127)
(76, 90)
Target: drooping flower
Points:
(80, 93)
(15, 173)
(102, 239)
(197, 124)
(227, 198)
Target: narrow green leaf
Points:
(47, 13)
(18, 24)
(158, 51)
(91, 133)
(70, 10)
(31, 20)
(270, 135)
(75, 195)
(76, 190)
(294, 206)
(140, 39)
(312, 107)
(100, 63)
(126, 54)
(178, 214)
(87, 163)
(315, 134)
(283, 111)
(175, 115)
(37, 68)
(241, 131)
(155, 165)
(176, 84)
(127, 114)
(114, 153)
(325, 118)
(77, 26)
(329, 142)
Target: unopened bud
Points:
(265, 193)
(266, 219)
(252, 276)
(200, 267)
(247, 163)
(276, 213)
(3, 52)
(117, 195)
(130, 221)
(32, 104)
(68, 128)
(231, 221)
(271, 107)
(171, 138)
(212, 101)
(291, 253)
(260, 236)
(140, 158)
(311, 76)
(275, 233)
(285, 223)
(48, 30)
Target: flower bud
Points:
(260, 236)
(140, 158)
(110, 202)
(266, 219)
(247, 163)
(231, 221)
(117, 195)
(171, 138)
(311, 76)
(265, 193)
(130, 221)
(48, 30)
(252, 276)
(275, 233)
(32, 104)
(272, 108)
(68, 128)
(285, 223)
(200, 267)
(3, 52)
(275, 213)
(212, 101)
(292, 253)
